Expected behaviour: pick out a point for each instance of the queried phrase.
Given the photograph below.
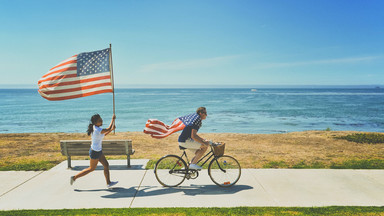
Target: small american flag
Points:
(81, 75)
(158, 129)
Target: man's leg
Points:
(199, 153)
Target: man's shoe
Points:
(112, 184)
(195, 167)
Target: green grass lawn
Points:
(208, 211)
(28, 165)
(348, 164)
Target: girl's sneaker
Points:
(72, 180)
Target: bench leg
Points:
(69, 161)
(128, 161)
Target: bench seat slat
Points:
(110, 147)
(105, 150)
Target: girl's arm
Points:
(111, 126)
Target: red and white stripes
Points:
(157, 129)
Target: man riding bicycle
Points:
(171, 170)
(189, 138)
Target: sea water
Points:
(236, 110)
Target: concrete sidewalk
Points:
(139, 188)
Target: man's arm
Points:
(197, 138)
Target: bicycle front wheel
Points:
(224, 171)
(170, 170)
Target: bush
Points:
(359, 164)
(275, 164)
(371, 138)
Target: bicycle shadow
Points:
(145, 191)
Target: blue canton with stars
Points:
(93, 62)
(192, 119)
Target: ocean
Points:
(230, 110)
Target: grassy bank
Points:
(207, 211)
(309, 149)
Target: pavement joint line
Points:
(138, 188)
(375, 180)
(20, 184)
(261, 185)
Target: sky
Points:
(202, 42)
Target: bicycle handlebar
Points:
(215, 143)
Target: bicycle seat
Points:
(182, 148)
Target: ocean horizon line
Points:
(256, 86)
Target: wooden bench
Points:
(110, 147)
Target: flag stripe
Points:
(77, 92)
(61, 69)
(82, 88)
(158, 129)
(69, 61)
(59, 77)
(83, 81)
(152, 131)
(71, 81)
(77, 95)
(76, 85)
(61, 73)
(66, 60)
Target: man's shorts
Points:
(95, 154)
(190, 144)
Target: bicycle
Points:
(172, 170)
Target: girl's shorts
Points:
(95, 154)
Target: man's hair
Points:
(201, 110)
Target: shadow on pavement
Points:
(112, 167)
(193, 190)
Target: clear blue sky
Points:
(212, 42)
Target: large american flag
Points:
(81, 75)
(157, 129)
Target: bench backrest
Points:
(81, 147)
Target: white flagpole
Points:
(112, 80)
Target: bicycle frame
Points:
(210, 154)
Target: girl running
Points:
(95, 152)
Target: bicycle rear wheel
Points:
(224, 171)
(170, 170)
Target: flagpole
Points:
(112, 80)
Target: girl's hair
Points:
(94, 119)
